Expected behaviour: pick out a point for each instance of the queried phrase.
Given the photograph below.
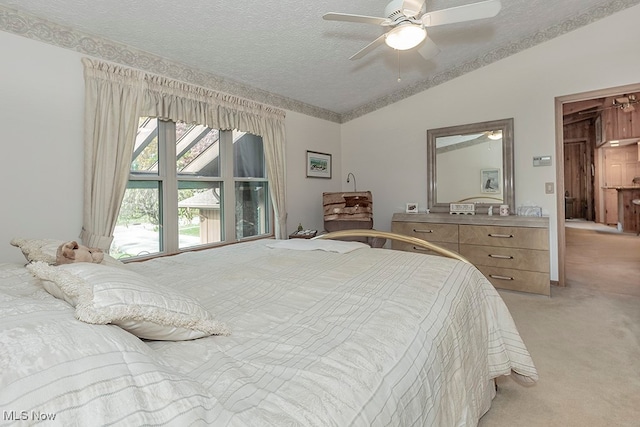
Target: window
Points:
(190, 186)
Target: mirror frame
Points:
(506, 126)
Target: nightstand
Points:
(304, 234)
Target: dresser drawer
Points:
(517, 280)
(435, 233)
(512, 237)
(504, 257)
(408, 247)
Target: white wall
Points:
(386, 149)
(41, 131)
(41, 126)
(304, 195)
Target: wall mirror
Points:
(471, 163)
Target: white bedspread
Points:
(369, 337)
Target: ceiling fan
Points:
(408, 23)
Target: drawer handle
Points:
(422, 231)
(495, 276)
(500, 256)
(503, 236)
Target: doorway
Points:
(592, 169)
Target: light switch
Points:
(548, 187)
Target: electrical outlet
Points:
(548, 187)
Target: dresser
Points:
(512, 251)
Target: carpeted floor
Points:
(584, 339)
(602, 260)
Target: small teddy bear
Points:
(69, 252)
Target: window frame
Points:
(168, 180)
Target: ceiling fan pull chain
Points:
(399, 79)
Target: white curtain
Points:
(117, 96)
(273, 136)
(274, 154)
(113, 97)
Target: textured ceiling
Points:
(285, 48)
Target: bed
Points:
(295, 332)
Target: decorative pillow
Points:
(45, 250)
(102, 294)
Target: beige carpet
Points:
(601, 260)
(585, 341)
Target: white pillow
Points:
(102, 294)
(339, 246)
(45, 250)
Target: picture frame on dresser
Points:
(318, 165)
(411, 208)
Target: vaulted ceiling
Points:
(283, 53)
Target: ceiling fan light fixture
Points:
(495, 135)
(405, 36)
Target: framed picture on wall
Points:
(490, 180)
(318, 165)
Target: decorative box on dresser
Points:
(512, 251)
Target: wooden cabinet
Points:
(627, 211)
(618, 124)
(512, 252)
(621, 166)
(610, 206)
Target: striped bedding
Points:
(318, 338)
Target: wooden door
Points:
(575, 179)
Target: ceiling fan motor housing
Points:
(394, 11)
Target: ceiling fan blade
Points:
(412, 7)
(469, 12)
(368, 48)
(347, 17)
(428, 49)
